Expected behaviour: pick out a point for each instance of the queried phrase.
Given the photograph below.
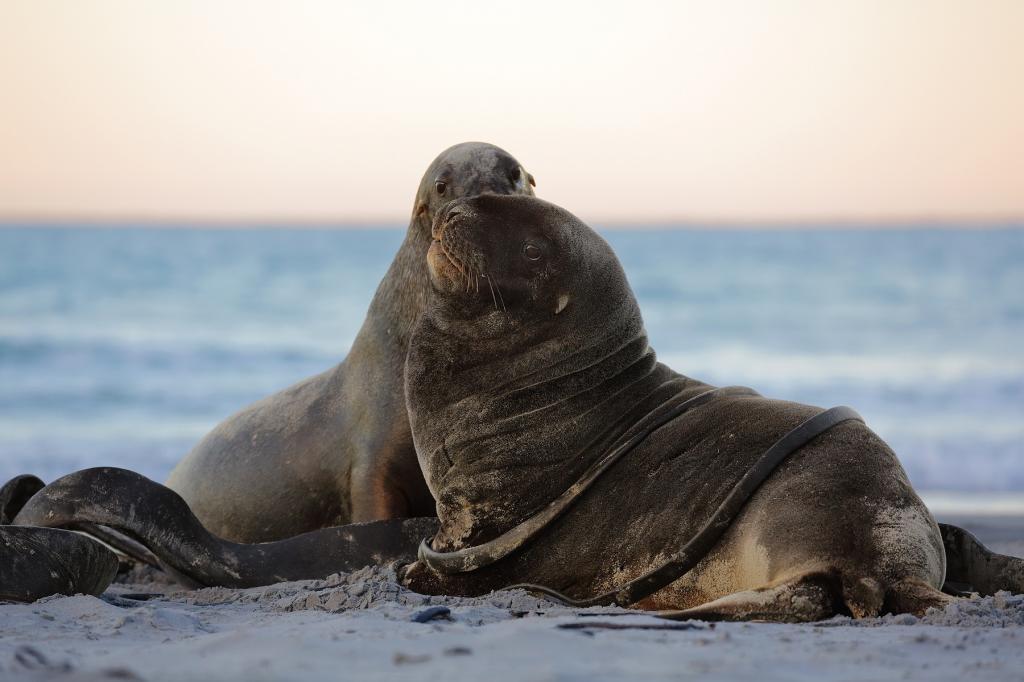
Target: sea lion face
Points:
(490, 256)
(502, 262)
(465, 170)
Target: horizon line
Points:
(199, 222)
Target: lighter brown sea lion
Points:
(336, 448)
(514, 394)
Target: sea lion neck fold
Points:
(515, 393)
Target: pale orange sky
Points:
(624, 111)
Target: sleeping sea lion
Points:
(336, 448)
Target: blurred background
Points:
(824, 201)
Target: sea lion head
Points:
(530, 320)
(466, 170)
(499, 263)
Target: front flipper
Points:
(38, 562)
(973, 567)
(160, 519)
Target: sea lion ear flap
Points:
(563, 300)
(421, 209)
(529, 178)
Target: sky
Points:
(775, 110)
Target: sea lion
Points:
(531, 363)
(159, 518)
(336, 448)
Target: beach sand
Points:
(361, 626)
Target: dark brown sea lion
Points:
(158, 518)
(336, 448)
(532, 363)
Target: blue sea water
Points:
(124, 346)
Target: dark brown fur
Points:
(509, 404)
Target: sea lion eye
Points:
(440, 186)
(531, 252)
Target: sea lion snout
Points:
(448, 214)
(453, 260)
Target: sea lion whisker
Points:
(491, 287)
(460, 265)
(502, 298)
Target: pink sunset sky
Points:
(783, 110)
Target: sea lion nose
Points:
(449, 213)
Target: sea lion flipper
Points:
(158, 518)
(816, 596)
(802, 600)
(91, 499)
(973, 567)
(15, 493)
(37, 562)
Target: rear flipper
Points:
(801, 600)
(816, 596)
(38, 562)
(972, 567)
(915, 596)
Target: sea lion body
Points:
(510, 404)
(336, 448)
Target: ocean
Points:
(124, 346)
